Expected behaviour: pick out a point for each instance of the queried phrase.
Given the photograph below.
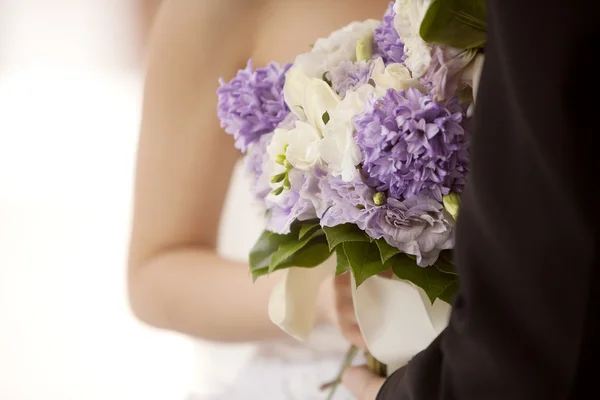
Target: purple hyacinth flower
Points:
(388, 44)
(252, 103)
(254, 163)
(418, 226)
(412, 145)
(290, 205)
(345, 202)
(350, 75)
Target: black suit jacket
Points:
(525, 322)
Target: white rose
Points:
(409, 16)
(338, 147)
(395, 76)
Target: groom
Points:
(525, 324)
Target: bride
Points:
(194, 222)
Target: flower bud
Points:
(379, 198)
(451, 204)
(279, 177)
(364, 50)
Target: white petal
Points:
(280, 139)
(472, 73)
(303, 149)
(318, 99)
(408, 19)
(477, 69)
(395, 319)
(341, 153)
(293, 90)
(394, 76)
(293, 300)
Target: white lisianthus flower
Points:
(338, 147)
(395, 76)
(408, 19)
(327, 53)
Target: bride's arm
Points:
(176, 279)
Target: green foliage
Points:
(387, 251)
(364, 259)
(308, 245)
(344, 233)
(435, 283)
(304, 246)
(457, 23)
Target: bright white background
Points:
(69, 113)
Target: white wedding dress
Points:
(273, 370)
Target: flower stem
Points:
(375, 366)
(333, 385)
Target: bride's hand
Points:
(343, 310)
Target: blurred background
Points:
(70, 96)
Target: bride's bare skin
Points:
(176, 279)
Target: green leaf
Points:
(307, 227)
(325, 117)
(448, 294)
(445, 266)
(447, 255)
(260, 255)
(257, 273)
(288, 248)
(313, 254)
(386, 250)
(364, 260)
(430, 279)
(344, 233)
(456, 23)
(342, 265)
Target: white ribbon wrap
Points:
(396, 318)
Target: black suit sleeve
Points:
(524, 324)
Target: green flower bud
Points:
(364, 50)
(286, 183)
(278, 191)
(287, 165)
(379, 198)
(451, 204)
(280, 159)
(279, 177)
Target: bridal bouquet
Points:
(360, 148)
